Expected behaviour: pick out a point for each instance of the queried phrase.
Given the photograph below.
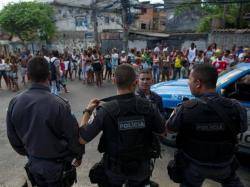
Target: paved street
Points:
(11, 165)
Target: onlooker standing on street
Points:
(208, 54)
(156, 67)
(8, 72)
(166, 65)
(114, 61)
(177, 65)
(84, 65)
(14, 73)
(97, 67)
(123, 58)
(108, 66)
(40, 126)
(3, 72)
(207, 130)
(199, 59)
(219, 63)
(227, 58)
(54, 71)
(23, 63)
(191, 53)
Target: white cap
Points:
(123, 52)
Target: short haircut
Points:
(38, 69)
(125, 75)
(55, 53)
(145, 71)
(206, 74)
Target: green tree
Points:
(229, 14)
(29, 21)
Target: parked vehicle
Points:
(230, 84)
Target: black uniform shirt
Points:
(154, 98)
(175, 121)
(41, 125)
(101, 117)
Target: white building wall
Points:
(65, 18)
(115, 21)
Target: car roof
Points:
(232, 75)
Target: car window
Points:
(239, 89)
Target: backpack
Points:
(52, 69)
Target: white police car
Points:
(175, 91)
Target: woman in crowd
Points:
(177, 65)
(108, 66)
(89, 69)
(101, 58)
(14, 71)
(97, 67)
(68, 65)
(114, 61)
(166, 65)
(8, 72)
(3, 71)
(199, 59)
(208, 54)
(62, 80)
(156, 67)
(83, 65)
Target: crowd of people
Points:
(91, 66)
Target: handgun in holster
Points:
(69, 176)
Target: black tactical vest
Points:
(204, 135)
(128, 136)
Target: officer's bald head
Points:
(38, 69)
(125, 76)
(206, 74)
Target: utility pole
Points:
(95, 23)
(224, 16)
(125, 23)
(239, 15)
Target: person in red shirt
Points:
(62, 80)
(219, 63)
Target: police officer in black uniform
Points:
(207, 130)
(128, 123)
(145, 80)
(40, 126)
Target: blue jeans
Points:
(177, 71)
(194, 176)
(156, 73)
(54, 87)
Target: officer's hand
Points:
(76, 163)
(93, 104)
